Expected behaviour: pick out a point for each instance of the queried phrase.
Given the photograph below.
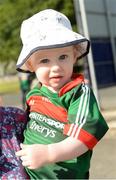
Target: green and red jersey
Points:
(55, 116)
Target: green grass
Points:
(9, 86)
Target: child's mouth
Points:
(56, 78)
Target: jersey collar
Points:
(76, 80)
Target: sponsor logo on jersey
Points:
(43, 130)
(51, 122)
(47, 131)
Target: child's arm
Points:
(38, 155)
(66, 149)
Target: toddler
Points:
(65, 122)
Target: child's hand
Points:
(33, 156)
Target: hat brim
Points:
(69, 38)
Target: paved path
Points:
(103, 164)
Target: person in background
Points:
(25, 80)
(64, 120)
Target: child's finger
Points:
(20, 153)
(26, 163)
(23, 158)
(31, 167)
(23, 146)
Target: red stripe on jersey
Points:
(68, 129)
(88, 139)
(43, 105)
(78, 80)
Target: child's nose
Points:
(56, 67)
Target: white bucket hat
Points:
(45, 30)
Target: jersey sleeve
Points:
(86, 122)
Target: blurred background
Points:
(96, 19)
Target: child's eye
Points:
(62, 57)
(44, 61)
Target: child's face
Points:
(53, 67)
